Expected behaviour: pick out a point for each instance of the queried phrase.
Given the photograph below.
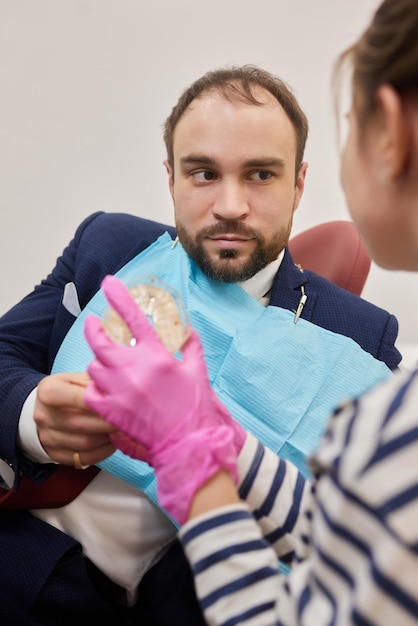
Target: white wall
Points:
(85, 86)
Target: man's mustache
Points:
(229, 227)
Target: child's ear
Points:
(395, 138)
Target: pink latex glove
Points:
(163, 405)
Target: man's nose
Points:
(231, 202)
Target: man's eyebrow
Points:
(200, 159)
(267, 162)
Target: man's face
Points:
(233, 185)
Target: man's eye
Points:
(261, 175)
(203, 176)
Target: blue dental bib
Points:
(280, 380)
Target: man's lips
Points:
(229, 240)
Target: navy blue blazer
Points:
(32, 331)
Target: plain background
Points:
(85, 87)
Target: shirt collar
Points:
(259, 285)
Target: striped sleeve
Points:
(235, 569)
(363, 564)
(279, 498)
(365, 530)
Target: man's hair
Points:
(386, 53)
(239, 83)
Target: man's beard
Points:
(224, 268)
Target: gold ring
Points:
(77, 462)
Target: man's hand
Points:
(66, 425)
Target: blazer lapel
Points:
(286, 292)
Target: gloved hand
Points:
(164, 405)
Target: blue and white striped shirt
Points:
(352, 536)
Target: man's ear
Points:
(170, 173)
(300, 184)
(395, 137)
